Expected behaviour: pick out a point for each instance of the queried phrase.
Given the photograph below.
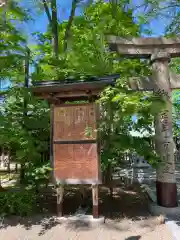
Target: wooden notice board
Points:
(75, 150)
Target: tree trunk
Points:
(69, 24)
(26, 84)
(2, 157)
(54, 26)
(165, 181)
(22, 173)
(108, 145)
(53, 21)
(46, 8)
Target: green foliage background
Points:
(87, 54)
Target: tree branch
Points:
(47, 11)
(69, 24)
(149, 5)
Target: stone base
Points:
(82, 219)
(159, 210)
(168, 212)
(174, 228)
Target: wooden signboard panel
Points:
(72, 121)
(76, 159)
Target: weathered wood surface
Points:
(75, 144)
(95, 201)
(144, 47)
(160, 51)
(147, 83)
(60, 195)
(166, 179)
(140, 41)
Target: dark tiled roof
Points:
(72, 80)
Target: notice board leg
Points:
(95, 201)
(82, 195)
(60, 194)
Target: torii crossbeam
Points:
(144, 47)
(160, 51)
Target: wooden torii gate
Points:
(159, 51)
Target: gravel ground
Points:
(51, 229)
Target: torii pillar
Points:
(160, 51)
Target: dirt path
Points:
(127, 218)
(51, 229)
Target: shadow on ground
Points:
(45, 221)
(133, 238)
(127, 203)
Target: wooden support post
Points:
(82, 195)
(8, 163)
(95, 201)
(165, 181)
(2, 158)
(60, 193)
(16, 167)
